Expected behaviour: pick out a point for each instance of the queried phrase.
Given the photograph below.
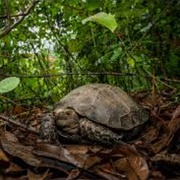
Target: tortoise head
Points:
(67, 120)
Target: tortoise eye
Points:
(68, 113)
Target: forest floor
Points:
(154, 155)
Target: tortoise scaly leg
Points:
(99, 134)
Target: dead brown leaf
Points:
(174, 125)
(15, 169)
(168, 163)
(3, 157)
(173, 159)
(18, 110)
(135, 167)
(20, 151)
(176, 113)
(77, 158)
(40, 176)
(108, 174)
(166, 139)
(4, 160)
(73, 174)
(9, 137)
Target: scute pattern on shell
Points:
(106, 105)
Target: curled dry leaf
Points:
(122, 162)
(135, 167)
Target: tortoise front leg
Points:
(99, 134)
(47, 131)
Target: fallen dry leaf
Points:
(135, 167)
(15, 169)
(4, 160)
(166, 139)
(9, 137)
(33, 176)
(168, 163)
(3, 157)
(72, 156)
(73, 174)
(174, 126)
(108, 174)
(176, 113)
(20, 151)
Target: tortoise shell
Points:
(105, 104)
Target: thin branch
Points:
(9, 100)
(14, 15)
(14, 122)
(8, 13)
(89, 74)
(76, 74)
(9, 28)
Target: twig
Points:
(9, 100)
(157, 79)
(9, 28)
(90, 74)
(8, 13)
(76, 74)
(25, 128)
(13, 16)
(171, 80)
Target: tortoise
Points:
(100, 114)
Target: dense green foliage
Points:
(52, 51)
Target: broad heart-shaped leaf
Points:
(104, 19)
(9, 84)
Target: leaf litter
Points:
(154, 155)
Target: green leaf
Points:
(93, 4)
(104, 19)
(9, 84)
(131, 62)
